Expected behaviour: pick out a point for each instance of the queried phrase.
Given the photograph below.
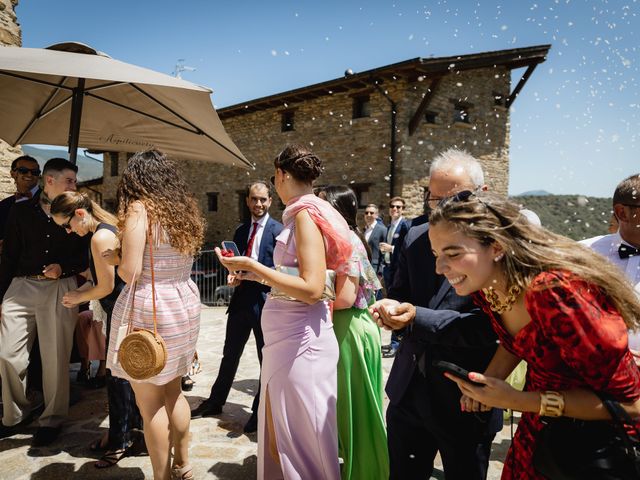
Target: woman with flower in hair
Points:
(554, 303)
(297, 433)
(156, 211)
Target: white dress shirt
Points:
(369, 230)
(255, 248)
(607, 246)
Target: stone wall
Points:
(357, 151)
(9, 35)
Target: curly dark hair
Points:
(300, 162)
(152, 179)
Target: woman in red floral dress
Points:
(554, 303)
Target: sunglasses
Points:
(24, 170)
(399, 207)
(465, 195)
(369, 213)
(67, 224)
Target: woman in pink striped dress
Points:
(154, 198)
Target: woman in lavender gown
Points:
(297, 432)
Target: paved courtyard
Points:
(219, 448)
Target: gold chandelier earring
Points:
(498, 305)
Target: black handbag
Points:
(571, 449)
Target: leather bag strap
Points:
(153, 284)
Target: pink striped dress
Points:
(177, 311)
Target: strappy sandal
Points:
(111, 457)
(182, 473)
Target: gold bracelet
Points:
(551, 404)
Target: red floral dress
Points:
(576, 338)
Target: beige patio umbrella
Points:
(70, 94)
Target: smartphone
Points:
(230, 247)
(456, 371)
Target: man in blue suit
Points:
(424, 414)
(396, 231)
(257, 239)
(374, 233)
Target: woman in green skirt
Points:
(361, 430)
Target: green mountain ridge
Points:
(574, 216)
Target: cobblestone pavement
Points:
(219, 448)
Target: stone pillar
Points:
(10, 34)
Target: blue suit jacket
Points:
(447, 327)
(379, 234)
(253, 294)
(396, 242)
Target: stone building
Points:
(10, 34)
(376, 131)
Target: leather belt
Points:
(38, 277)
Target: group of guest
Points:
(141, 256)
(479, 285)
(456, 291)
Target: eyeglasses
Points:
(398, 207)
(369, 213)
(67, 224)
(24, 170)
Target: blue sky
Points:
(574, 128)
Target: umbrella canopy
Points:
(70, 94)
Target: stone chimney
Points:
(10, 34)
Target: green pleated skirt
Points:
(362, 436)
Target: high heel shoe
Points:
(182, 473)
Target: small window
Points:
(113, 159)
(498, 99)
(361, 106)
(212, 201)
(245, 214)
(362, 193)
(461, 113)
(431, 117)
(288, 118)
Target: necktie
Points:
(390, 232)
(252, 237)
(626, 251)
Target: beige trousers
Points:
(31, 306)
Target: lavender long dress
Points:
(299, 379)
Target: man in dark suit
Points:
(25, 172)
(424, 414)
(256, 239)
(396, 231)
(375, 233)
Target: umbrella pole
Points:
(76, 117)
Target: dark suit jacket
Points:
(253, 294)
(5, 208)
(447, 327)
(379, 234)
(396, 242)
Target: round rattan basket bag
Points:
(142, 354)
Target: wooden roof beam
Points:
(424, 104)
(523, 80)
